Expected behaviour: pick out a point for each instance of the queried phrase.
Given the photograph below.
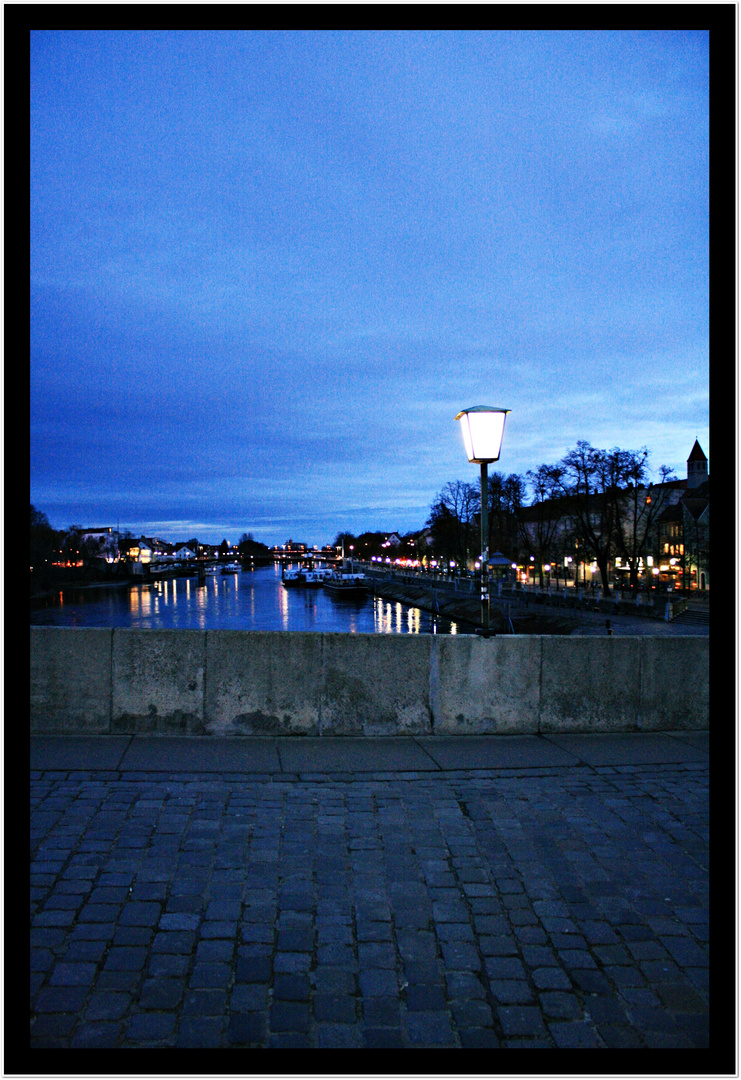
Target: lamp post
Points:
(483, 428)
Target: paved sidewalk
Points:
(593, 624)
(415, 892)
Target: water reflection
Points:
(234, 602)
(201, 606)
(283, 596)
(141, 602)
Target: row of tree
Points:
(597, 503)
(61, 545)
(69, 547)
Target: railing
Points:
(576, 597)
(428, 579)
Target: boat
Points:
(316, 577)
(306, 577)
(231, 568)
(293, 578)
(347, 584)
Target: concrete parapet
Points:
(369, 686)
(261, 683)
(675, 689)
(595, 689)
(229, 682)
(158, 680)
(482, 686)
(71, 679)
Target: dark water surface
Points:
(250, 600)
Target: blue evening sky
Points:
(269, 268)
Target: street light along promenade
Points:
(483, 429)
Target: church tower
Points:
(697, 467)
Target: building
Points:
(684, 530)
(139, 551)
(674, 517)
(104, 542)
(182, 551)
(697, 467)
(696, 524)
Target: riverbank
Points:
(93, 578)
(467, 609)
(543, 614)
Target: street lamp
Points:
(483, 428)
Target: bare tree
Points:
(452, 520)
(540, 523)
(637, 509)
(506, 496)
(44, 541)
(591, 480)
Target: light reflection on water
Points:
(251, 600)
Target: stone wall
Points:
(229, 682)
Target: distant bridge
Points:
(306, 556)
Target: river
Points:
(249, 600)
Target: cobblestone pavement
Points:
(522, 907)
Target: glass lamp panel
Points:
(485, 432)
(465, 428)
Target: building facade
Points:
(684, 530)
(662, 532)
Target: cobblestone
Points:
(552, 907)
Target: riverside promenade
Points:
(418, 892)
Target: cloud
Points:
(268, 269)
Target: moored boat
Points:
(293, 578)
(308, 577)
(318, 575)
(347, 584)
